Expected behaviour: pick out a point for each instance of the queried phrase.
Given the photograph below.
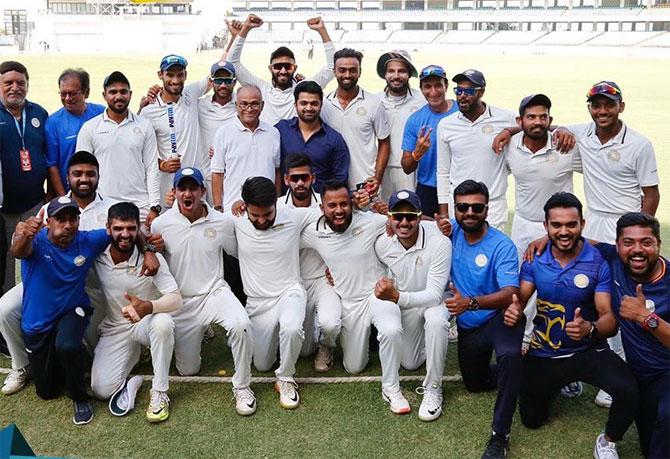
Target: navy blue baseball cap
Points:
(171, 60)
(609, 89)
(473, 76)
(227, 66)
(60, 203)
(407, 196)
(115, 77)
(532, 100)
(190, 173)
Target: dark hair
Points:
(126, 211)
(259, 191)
(282, 51)
(13, 66)
(563, 200)
(83, 157)
(471, 187)
(333, 185)
(308, 86)
(297, 160)
(638, 219)
(348, 52)
(81, 74)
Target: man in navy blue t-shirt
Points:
(574, 316)
(485, 276)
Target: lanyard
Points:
(173, 132)
(22, 129)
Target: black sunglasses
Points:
(409, 216)
(295, 178)
(283, 66)
(477, 208)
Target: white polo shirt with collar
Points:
(128, 157)
(211, 115)
(398, 109)
(361, 123)
(240, 153)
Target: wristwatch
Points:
(650, 322)
(473, 305)
(157, 208)
(594, 330)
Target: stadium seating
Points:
(510, 37)
(621, 38)
(287, 36)
(565, 38)
(469, 37)
(366, 36)
(413, 36)
(659, 41)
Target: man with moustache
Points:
(62, 126)
(125, 145)
(574, 316)
(400, 100)
(420, 135)
(308, 134)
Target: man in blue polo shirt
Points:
(573, 319)
(22, 154)
(485, 276)
(308, 134)
(62, 126)
(419, 141)
(641, 300)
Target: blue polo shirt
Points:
(61, 129)
(482, 268)
(22, 190)
(426, 172)
(54, 278)
(560, 290)
(645, 355)
(326, 148)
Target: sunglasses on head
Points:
(409, 216)
(295, 178)
(459, 91)
(174, 60)
(477, 208)
(603, 88)
(223, 80)
(283, 66)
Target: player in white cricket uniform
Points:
(194, 236)
(137, 315)
(418, 262)
(83, 179)
(278, 94)
(464, 147)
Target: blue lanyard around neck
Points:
(22, 129)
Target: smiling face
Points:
(173, 79)
(223, 83)
(433, 89)
(535, 122)
(639, 250)
(468, 104)
(397, 77)
(605, 111)
(117, 96)
(337, 209)
(123, 234)
(189, 197)
(282, 69)
(249, 105)
(13, 88)
(72, 95)
(308, 107)
(405, 220)
(300, 180)
(83, 179)
(347, 72)
(564, 227)
(470, 211)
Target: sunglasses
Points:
(603, 88)
(295, 178)
(174, 60)
(432, 70)
(223, 80)
(459, 91)
(283, 66)
(409, 216)
(477, 208)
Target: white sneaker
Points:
(16, 380)
(323, 360)
(452, 334)
(603, 399)
(245, 401)
(288, 394)
(397, 402)
(431, 404)
(604, 449)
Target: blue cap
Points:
(227, 66)
(407, 196)
(609, 89)
(171, 60)
(60, 203)
(188, 172)
(473, 76)
(532, 100)
(432, 71)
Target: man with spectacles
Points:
(63, 125)
(244, 147)
(464, 147)
(420, 135)
(418, 262)
(278, 94)
(484, 281)
(308, 134)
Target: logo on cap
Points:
(64, 200)
(187, 171)
(402, 195)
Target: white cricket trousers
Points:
(278, 322)
(119, 349)
(425, 339)
(355, 335)
(323, 315)
(219, 307)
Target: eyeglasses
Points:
(477, 208)
(459, 91)
(248, 105)
(603, 88)
(283, 66)
(432, 70)
(409, 216)
(228, 81)
(72, 95)
(295, 178)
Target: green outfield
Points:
(346, 420)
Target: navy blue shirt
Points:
(326, 148)
(23, 190)
(561, 290)
(645, 354)
(54, 277)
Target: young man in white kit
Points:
(138, 314)
(418, 262)
(194, 236)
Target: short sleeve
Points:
(98, 240)
(381, 122)
(527, 273)
(507, 265)
(604, 284)
(409, 133)
(608, 251)
(646, 168)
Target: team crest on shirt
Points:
(361, 111)
(487, 129)
(650, 305)
(552, 157)
(210, 233)
(614, 156)
(356, 231)
(35, 122)
(581, 280)
(481, 260)
(79, 260)
(137, 130)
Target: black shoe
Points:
(496, 448)
(83, 413)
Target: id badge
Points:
(26, 164)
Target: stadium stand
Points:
(566, 38)
(621, 38)
(469, 37)
(366, 36)
(510, 37)
(659, 41)
(400, 37)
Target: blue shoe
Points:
(83, 413)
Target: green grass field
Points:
(346, 420)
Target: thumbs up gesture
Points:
(31, 226)
(513, 312)
(578, 328)
(634, 307)
(456, 304)
(136, 308)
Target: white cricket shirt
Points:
(398, 109)
(211, 115)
